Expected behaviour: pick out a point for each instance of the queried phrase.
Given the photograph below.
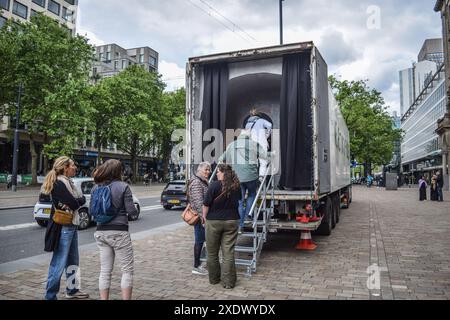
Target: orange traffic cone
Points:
(306, 242)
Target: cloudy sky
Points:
(359, 39)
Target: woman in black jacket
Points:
(220, 209)
(63, 239)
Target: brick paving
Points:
(409, 240)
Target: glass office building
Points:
(420, 153)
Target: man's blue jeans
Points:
(440, 196)
(251, 187)
(65, 257)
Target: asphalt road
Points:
(21, 237)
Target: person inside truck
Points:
(243, 155)
(260, 126)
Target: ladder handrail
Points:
(261, 187)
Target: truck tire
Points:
(338, 208)
(325, 227)
(334, 211)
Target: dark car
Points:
(174, 194)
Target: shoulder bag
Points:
(190, 216)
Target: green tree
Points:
(173, 109)
(135, 96)
(47, 61)
(372, 135)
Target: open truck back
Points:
(309, 179)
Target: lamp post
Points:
(281, 21)
(16, 143)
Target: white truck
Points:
(310, 167)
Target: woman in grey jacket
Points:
(198, 185)
(113, 238)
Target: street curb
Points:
(44, 259)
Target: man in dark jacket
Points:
(439, 186)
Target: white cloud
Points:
(179, 29)
(172, 75)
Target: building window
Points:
(67, 14)
(94, 71)
(152, 61)
(4, 4)
(108, 56)
(20, 10)
(33, 13)
(40, 3)
(100, 57)
(2, 21)
(54, 7)
(116, 65)
(72, 2)
(124, 64)
(141, 58)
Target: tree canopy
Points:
(372, 134)
(47, 61)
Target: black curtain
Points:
(296, 123)
(215, 95)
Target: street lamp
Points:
(16, 143)
(281, 21)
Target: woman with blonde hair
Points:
(62, 240)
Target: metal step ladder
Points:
(250, 243)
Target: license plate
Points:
(174, 201)
(47, 211)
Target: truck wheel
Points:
(338, 208)
(333, 212)
(326, 225)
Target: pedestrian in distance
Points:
(440, 186)
(433, 189)
(62, 240)
(243, 156)
(422, 189)
(220, 209)
(113, 237)
(197, 188)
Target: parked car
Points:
(174, 194)
(43, 206)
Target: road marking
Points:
(18, 226)
(148, 208)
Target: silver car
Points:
(41, 212)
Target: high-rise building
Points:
(420, 150)
(110, 59)
(407, 94)
(63, 11)
(432, 50)
(423, 71)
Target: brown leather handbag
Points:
(62, 217)
(190, 216)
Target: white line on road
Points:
(148, 208)
(18, 226)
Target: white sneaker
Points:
(200, 271)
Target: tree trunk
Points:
(34, 158)
(166, 157)
(45, 164)
(134, 167)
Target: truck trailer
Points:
(308, 181)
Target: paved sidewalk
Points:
(27, 196)
(408, 239)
